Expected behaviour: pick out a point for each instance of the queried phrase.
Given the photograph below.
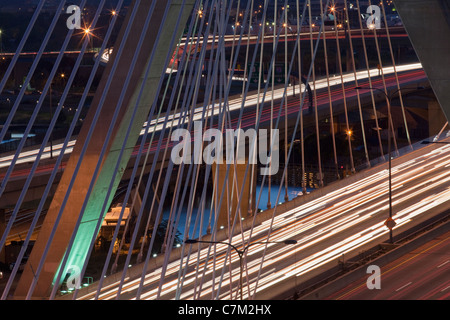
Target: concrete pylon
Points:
(234, 184)
(92, 213)
(428, 26)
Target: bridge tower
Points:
(106, 98)
(428, 26)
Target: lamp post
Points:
(240, 252)
(389, 222)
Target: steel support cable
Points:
(302, 133)
(145, 198)
(207, 104)
(275, 25)
(69, 83)
(11, 115)
(234, 187)
(272, 142)
(179, 210)
(194, 90)
(333, 135)
(186, 53)
(214, 200)
(192, 165)
(80, 107)
(28, 130)
(22, 93)
(171, 217)
(257, 126)
(19, 49)
(183, 65)
(236, 24)
(293, 138)
(81, 104)
(97, 169)
(363, 130)
(137, 161)
(316, 115)
(36, 163)
(267, 83)
(286, 76)
(369, 77)
(275, 47)
(348, 132)
(250, 26)
(299, 28)
(228, 166)
(396, 76)
(181, 121)
(117, 169)
(219, 50)
(193, 97)
(380, 62)
(83, 151)
(227, 112)
(260, 75)
(30, 74)
(223, 114)
(231, 228)
(155, 189)
(211, 90)
(230, 193)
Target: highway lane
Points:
(422, 274)
(337, 223)
(408, 74)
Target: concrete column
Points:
(234, 182)
(93, 213)
(428, 26)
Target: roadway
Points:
(407, 74)
(422, 274)
(344, 220)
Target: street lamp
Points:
(389, 222)
(88, 33)
(240, 252)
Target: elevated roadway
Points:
(410, 76)
(341, 219)
(421, 274)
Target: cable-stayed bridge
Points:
(319, 82)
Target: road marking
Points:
(403, 286)
(445, 289)
(443, 263)
(393, 268)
